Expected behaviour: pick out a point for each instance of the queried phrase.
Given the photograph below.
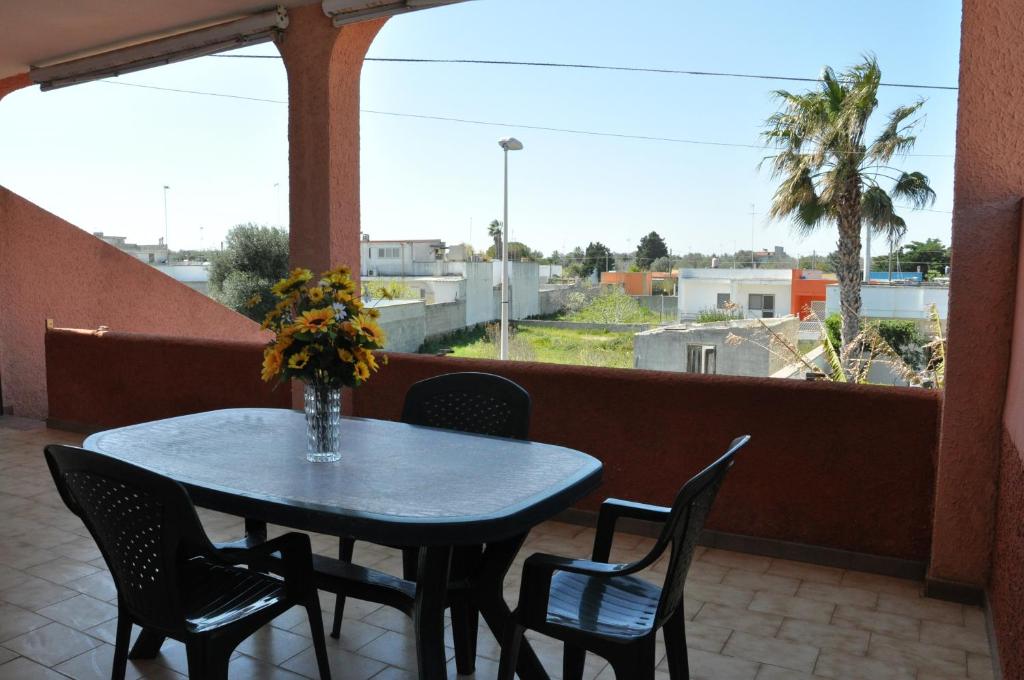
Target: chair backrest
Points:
(681, 531)
(144, 524)
(480, 403)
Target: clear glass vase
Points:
(323, 422)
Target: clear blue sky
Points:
(99, 154)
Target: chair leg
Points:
(410, 563)
(316, 627)
(513, 638)
(207, 660)
(634, 664)
(573, 658)
(345, 548)
(675, 647)
(121, 641)
(148, 645)
(465, 625)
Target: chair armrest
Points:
(611, 510)
(538, 571)
(289, 555)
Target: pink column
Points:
(12, 83)
(324, 64)
(986, 222)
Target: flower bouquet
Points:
(325, 337)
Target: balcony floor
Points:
(751, 618)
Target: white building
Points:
(400, 258)
(759, 293)
(157, 253)
(895, 301)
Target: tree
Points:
(930, 255)
(829, 174)
(597, 258)
(254, 259)
(650, 249)
(662, 264)
(516, 251)
(494, 230)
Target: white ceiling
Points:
(35, 32)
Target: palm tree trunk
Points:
(848, 272)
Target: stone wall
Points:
(444, 318)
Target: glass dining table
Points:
(395, 484)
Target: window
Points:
(700, 359)
(762, 303)
(723, 300)
(388, 253)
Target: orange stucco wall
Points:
(633, 283)
(989, 182)
(806, 291)
(12, 83)
(50, 269)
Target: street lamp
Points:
(507, 144)
(166, 244)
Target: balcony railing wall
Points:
(844, 468)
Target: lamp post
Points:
(166, 244)
(507, 144)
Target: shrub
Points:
(713, 314)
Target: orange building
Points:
(808, 286)
(642, 283)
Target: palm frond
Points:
(914, 187)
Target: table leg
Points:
(428, 611)
(497, 559)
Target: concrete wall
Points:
(479, 293)
(665, 349)
(894, 302)
(585, 326)
(50, 269)
(444, 318)
(554, 299)
(665, 305)
(405, 324)
(524, 282)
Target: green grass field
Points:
(549, 345)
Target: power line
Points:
(469, 121)
(599, 67)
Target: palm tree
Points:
(829, 174)
(494, 230)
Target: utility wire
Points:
(469, 121)
(597, 67)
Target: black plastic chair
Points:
(170, 579)
(479, 403)
(594, 606)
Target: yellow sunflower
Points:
(297, 277)
(316, 294)
(346, 356)
(254, 300)
(315, 320)
(271, 363)
(299, 360)
(362, 372)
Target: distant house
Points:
(157, 253)
(641, 283)
(906, 300)
(742, 347)
(758, 293)
(415, 257)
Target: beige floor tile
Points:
(924, 608)
(51, 644)
(793, 655)
(36, 593)
(344, 665)
(793, 607)
(95, 665)
(25, 669)
(749, 580)
(705, 666)
(744, 620)
(922, 656)
(273, 645)
(719, 594)
(806, 572)
(824, 592)
(895, 625)
(775, 673)
(80, 612)
(15, 621)
(980, 667)
(842, 666)
(882, 584)
(825, 636)
(734, 560)
(955, 637)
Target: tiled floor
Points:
(751, 618)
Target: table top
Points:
(395, 482)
